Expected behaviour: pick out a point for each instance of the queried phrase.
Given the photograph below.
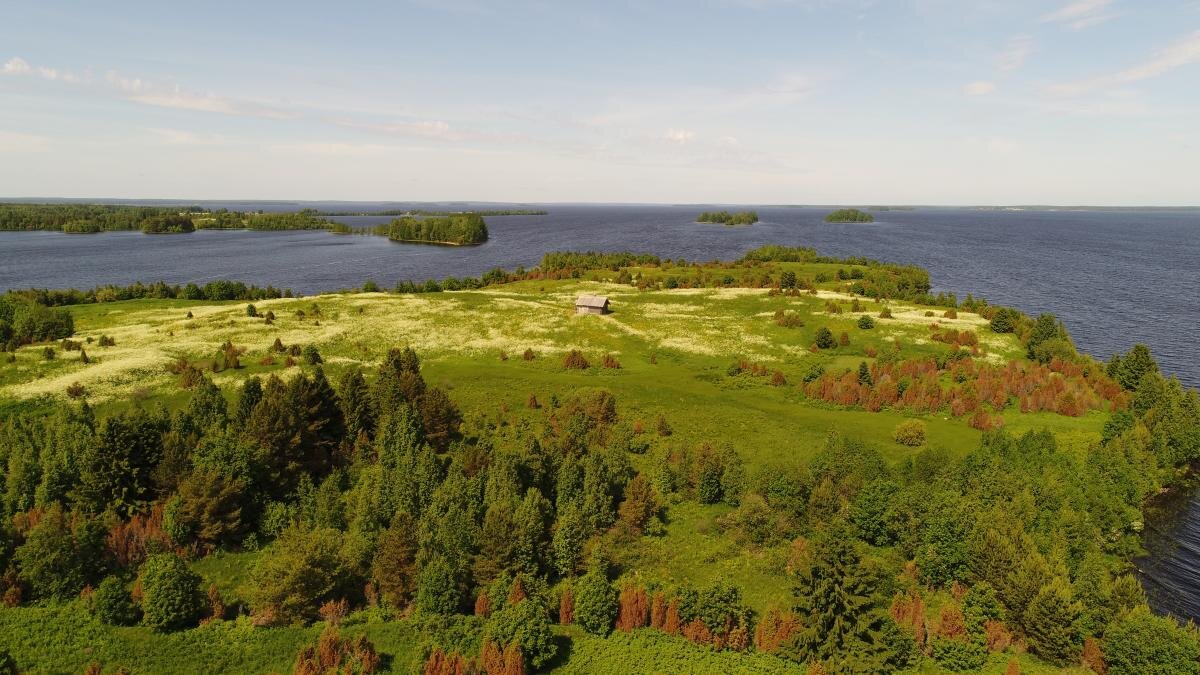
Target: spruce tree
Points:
(1051, 623)
(394, 567)
(833, 597)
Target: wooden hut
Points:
(591, 304)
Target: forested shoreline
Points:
(373, 499)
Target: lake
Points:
(1115, 277)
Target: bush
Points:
(865, 322)
(1004, 320)
(825, 338)
(171, 596)
(958, 655)
(1143, 643)
(526, 623)
(885, 313)
(297, 573)
(311, 356)
(595, 603)
(112, 604)
(910, 433)
(437, 592)
(251, 311)
(575, 360)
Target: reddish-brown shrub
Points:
(574, 360)
(611, 361)
(997, 636)
(632, 609)
(951, 624)
(566, 606)
(1093, 657)
(483, 605)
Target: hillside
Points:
(741, 419)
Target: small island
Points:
(729, 219)
(456, 230)
(849, 216)
(168, 224)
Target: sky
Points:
(706, 101)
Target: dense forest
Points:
(373, 498)
(93, 218)
(849, 216)
(727, 218)
(464, 228)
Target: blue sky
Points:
(738, 101)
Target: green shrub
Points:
(112, 604)
(825, 338)
(171, 596)
(910, 433)
(595, 603)
(528, 624)
(311, 356)
(251, 311)
(865, 322)
(958, 655)
(437, 592)
(1143, 643)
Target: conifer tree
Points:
(1051, 623)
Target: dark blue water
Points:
(1114, 277)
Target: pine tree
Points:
(1134, 366)
(395, 564)
(532, 521)
(355, 399)
(250, 395)
(1051, 623)
(864, 374)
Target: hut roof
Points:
(597, 301)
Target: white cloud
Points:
(727, 142)
(1182, 53)
(436, 129)
(11, 141)
(1015, 53)
(1081, 14)
(679, 136)
(980, 88)
(334, 149)
(16, 66)
(177, 137)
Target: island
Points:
(849, 216)
(728, 219)
(455, 230)
(462, 475)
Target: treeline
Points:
(575, 260)
(223, 219)
(93, 218)
(23, 321)
(427, 213)
(214, 290)
(727, 218)
(466, 228)
(168, 224)
(849, 216)
(83, 218)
